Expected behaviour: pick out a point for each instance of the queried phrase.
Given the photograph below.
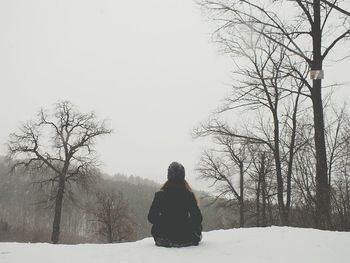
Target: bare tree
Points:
(219, 166)
(338, 146)
(304, 190)
(62, 145)
(111, 212)
(311, 35)
(261, 167)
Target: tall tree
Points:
(61, 144)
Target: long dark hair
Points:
(178, 184)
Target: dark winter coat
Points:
(176, 218)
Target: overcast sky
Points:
(147, 66)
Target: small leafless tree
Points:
(59, 147)
(111, 212)
(225, 168)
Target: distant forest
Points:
(27, 211)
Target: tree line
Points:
(288, 143)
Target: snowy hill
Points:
(273, 244)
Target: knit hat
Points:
(176, 171)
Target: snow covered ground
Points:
(258, 245)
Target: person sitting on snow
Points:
(174, 213)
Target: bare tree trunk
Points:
(109, 234)
(347, 206)
(291, 154)
(269, 206)
(58, 210)
(258, 202)
(109, 221)
(281, 207)
(263, 189)
(241, 199)
(322, 189)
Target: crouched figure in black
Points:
(174, 213)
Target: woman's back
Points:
(175, 215)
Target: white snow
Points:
(249, 245)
